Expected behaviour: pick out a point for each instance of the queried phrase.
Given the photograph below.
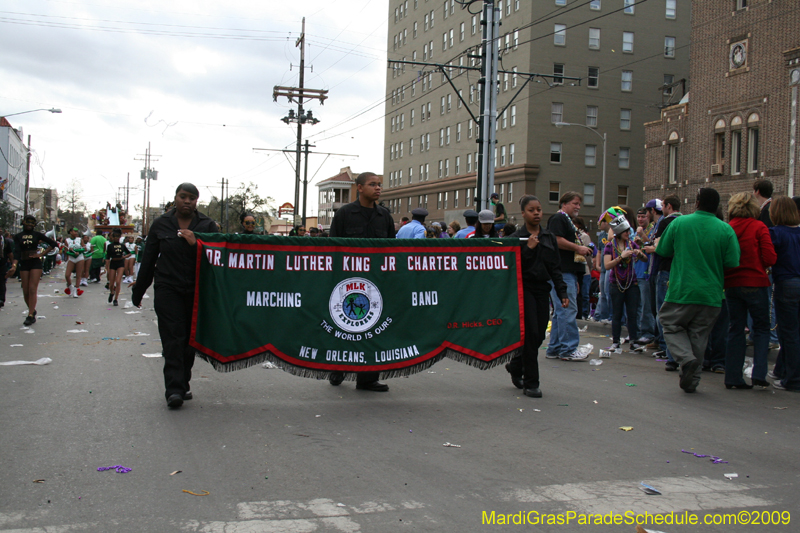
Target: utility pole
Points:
(27, 180)
(300, 93)
(147, 174)
(305, 184)
(488, 84)
(221, 202)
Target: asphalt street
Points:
(260, 450)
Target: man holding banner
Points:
(364, 219)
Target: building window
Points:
(625, 119)
(469, 129)
(458, 165)
(672, 8)
(504, 119)
(555, 192)
(445, 202)
(410, 174)
(411, 147)
(447, 135)
(555, 153)
(622, 195)
(556, 112)
(513, 115)
(719, 148)
(458, 132)
(511, 154)
(411, 117)
(469, 162)
(441, 137)
(467, 203)
(560, 35)
(624, 158)
(441, 169)
(510, 197)
(669, 79)
(590, 155)
(627, 80)
(474, 23)
(441, 109)
(736, 152)
(516, 39)
(502, 156)
(427, 171)
(444, 41)
(752, 149)
(594, 4)
(594, 77)
(629, 6)
(588, 193)
(741, 4)
(591, 116)
(669, 46)
(446, 167)
(558, 73)
(455, 199)
(594, 38)
(627, 41)
(561, 2)
(449, 102)
(673, 163)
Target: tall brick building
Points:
(623, 51)
(740, 122)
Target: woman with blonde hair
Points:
(786, 274)
(747, 290)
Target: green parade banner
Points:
(313, 306)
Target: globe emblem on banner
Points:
(355, 305)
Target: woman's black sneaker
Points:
(30, 320)
(116, 303)
(110, 297)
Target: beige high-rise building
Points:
(622, 51)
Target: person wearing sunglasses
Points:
(248, 222)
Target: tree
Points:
(244, 200)
(7, 216)
(74, 214)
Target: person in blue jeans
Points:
(564, 334)
(671, 210)
(785, 236)
(647, 321)
(603, 311)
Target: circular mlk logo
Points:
(355, 305)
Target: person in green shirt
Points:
(702, 247)
(98, 243)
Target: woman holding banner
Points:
(541, 266)
(171, 242)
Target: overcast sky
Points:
(194, 79)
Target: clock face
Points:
(738, 55)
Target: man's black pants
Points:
(174, 310)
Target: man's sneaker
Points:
(671, 366)
(551, 356)
(771, 375)
(605, 321)
(84, 283)
(636, 347)
(718, 369)
(644, 340)
(626, 340)
(659, 354)
(780, 386)
(653, 345)
(615, 348)
(575, 356)
(67, 291)
(774, 346)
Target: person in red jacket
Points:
(747, 289)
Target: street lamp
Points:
(602, 136)
(51, 110)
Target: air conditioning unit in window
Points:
(716, 170)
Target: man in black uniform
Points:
(170, 258)
(364, 219)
